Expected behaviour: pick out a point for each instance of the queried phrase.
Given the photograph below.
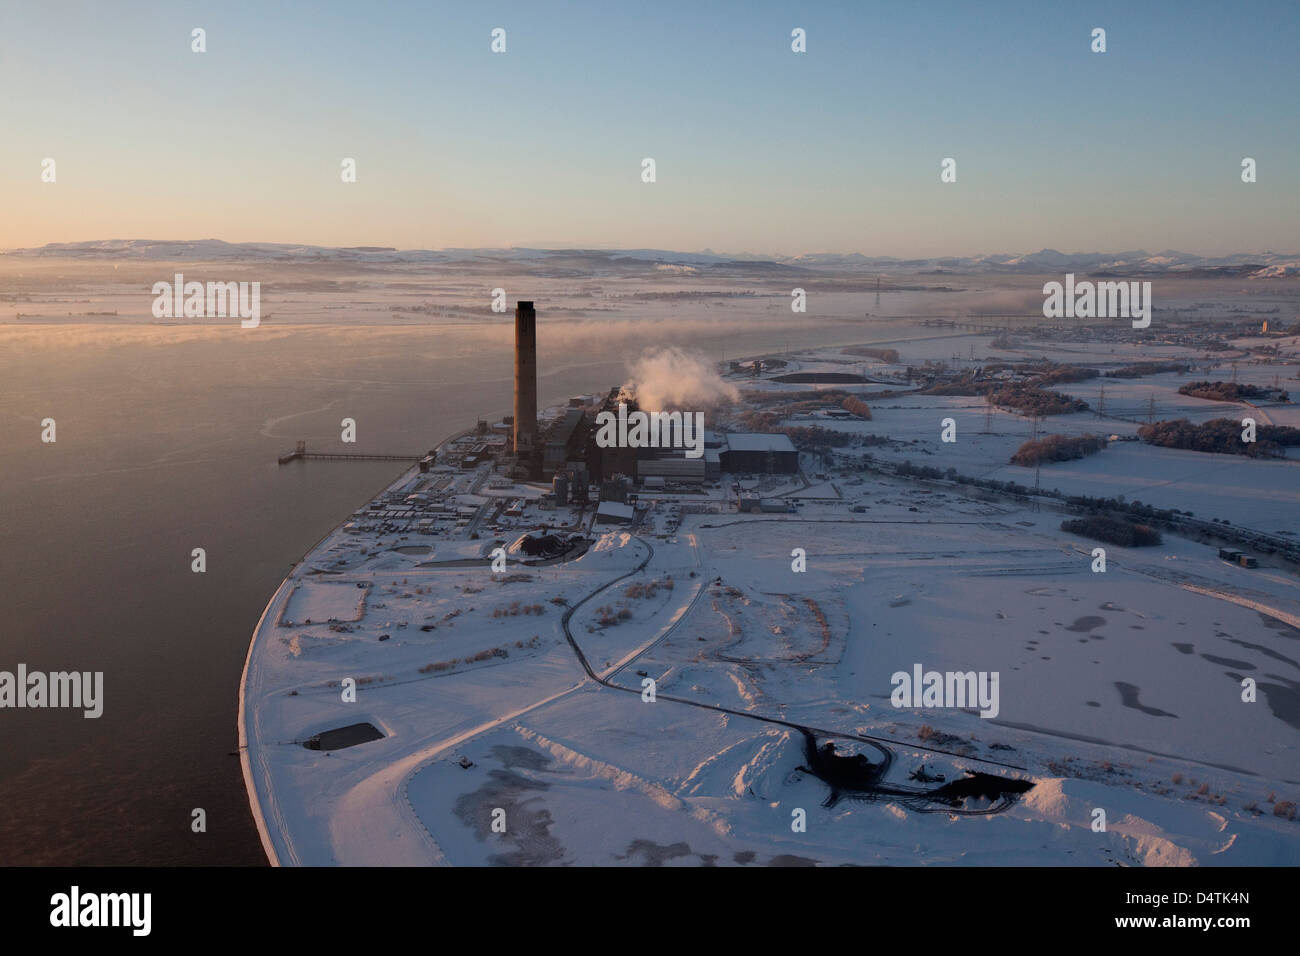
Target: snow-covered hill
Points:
(1045, 261)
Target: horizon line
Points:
(549, 246)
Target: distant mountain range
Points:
(1045, 261)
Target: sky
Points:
(757, 148)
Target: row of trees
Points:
(1057, 448)
(1032, 401)
(1142, 369)
(885, 355)
(1061, 374)
(1222, 391)
(907, 469)
(1113, 530)
(1134, 508)
(814, 437)
(1220, 435)
(1086, 503)
(856, 406)
(1027, 397)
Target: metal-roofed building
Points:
(614, 512)
(759, 452)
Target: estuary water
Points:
(166, 441)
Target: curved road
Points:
(879, 743)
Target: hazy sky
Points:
(757, 148)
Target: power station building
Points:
(759, 453)
(565, 441)
(671, 464)
(605, 463)
(569, 447)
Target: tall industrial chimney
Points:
(525, 382)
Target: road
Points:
(880, 744)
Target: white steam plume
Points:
(668, 378)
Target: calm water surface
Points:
(166, 444)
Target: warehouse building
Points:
(759, 453)
(671, 467)
(614, 512)
(712, 464)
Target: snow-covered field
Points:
(1261, 494)
(651, 699)
(325, 601)
(1255, 493)
(1119, 691)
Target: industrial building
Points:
(608, 462)
(566, 439)
(614, 512)
(616, 489)
(476, 455)
(765, 505)
(673, 465)
(569, 443)
(759, 453)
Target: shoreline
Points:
(245, 763)
(250, 782)
(251, 788)
(368, 808)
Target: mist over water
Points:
(167, 441)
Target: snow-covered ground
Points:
(641, 701)
(1261, 494)
(1119, 691)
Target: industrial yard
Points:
(569, 653)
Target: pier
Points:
(300, 452)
